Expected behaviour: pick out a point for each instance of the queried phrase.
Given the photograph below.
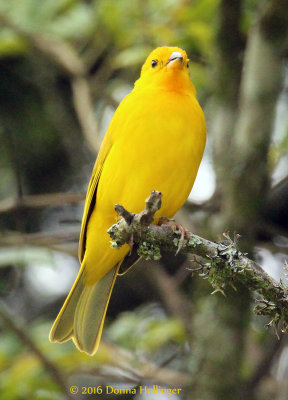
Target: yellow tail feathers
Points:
(82, 316)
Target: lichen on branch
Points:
(225, 265)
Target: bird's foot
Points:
(184, 234)
(131, 241)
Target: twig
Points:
(264, 367)
(41, 200)
(44, 239)
(226, 264)
(83, 104)
(172, 297)
(212, 205)
(66, 57)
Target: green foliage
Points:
(12, 44)
(130, 32)
(67, 19)
(143, 331)
(22, 376)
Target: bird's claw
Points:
(184, 234)
(131, 241)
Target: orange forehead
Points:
(162, 54)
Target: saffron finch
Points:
(155, 141)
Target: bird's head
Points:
(166, 67)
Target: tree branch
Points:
(11, 204)
(225, 264)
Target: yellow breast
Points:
(158, 148)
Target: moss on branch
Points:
(225, 264)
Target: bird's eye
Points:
(187, 64)
(154, 63)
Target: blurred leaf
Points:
(74, 24)
(11, 44)
(130, 57)
(24, 255)
(142, 331)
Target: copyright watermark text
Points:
(98, 390)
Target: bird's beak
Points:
(176, 59)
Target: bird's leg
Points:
(184, 234)
(131, 242)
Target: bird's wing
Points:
(91, 193)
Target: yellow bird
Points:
(155, 141)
